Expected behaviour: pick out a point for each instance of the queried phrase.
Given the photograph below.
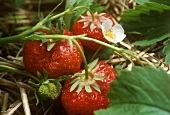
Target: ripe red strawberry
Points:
(60, 60)
(85, 25)
(82, 102)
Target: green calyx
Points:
(49, 91)
(81, 81)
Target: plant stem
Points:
(50, 18)
(38, 26)
(81, 37)
(136, 57)
(103, 43)
(20, 37)
(83, 57)
(121, 51)
(127, 57)
(94, 55)
(73, 38)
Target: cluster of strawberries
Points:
(80, 94)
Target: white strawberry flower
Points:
(112, 33)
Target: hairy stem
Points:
(121, 51)
(83, 57)
(19, 37)
(38, 26)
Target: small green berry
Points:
(50, 90)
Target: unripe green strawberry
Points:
(49, 90)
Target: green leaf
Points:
(40, 77)
(19, 3)
(71, 18)
(144, 90)
(60, 25)
(132, 109)
(166, 51)
(166, 2)
(95, 7)
(67, 18)
(79, 12)
(33, 84)
(149, 19)
(119, 67)
(70, 4)
(46, 82)
(45, 73)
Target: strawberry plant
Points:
(91, 26)
(89, 90)
(81, 60)
(47, 89)
(142, 93)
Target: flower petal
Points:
(120, 37)
(118, 28)
(107, 24)
(114, 34)
(119, 31)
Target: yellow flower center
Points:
(110, 34)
